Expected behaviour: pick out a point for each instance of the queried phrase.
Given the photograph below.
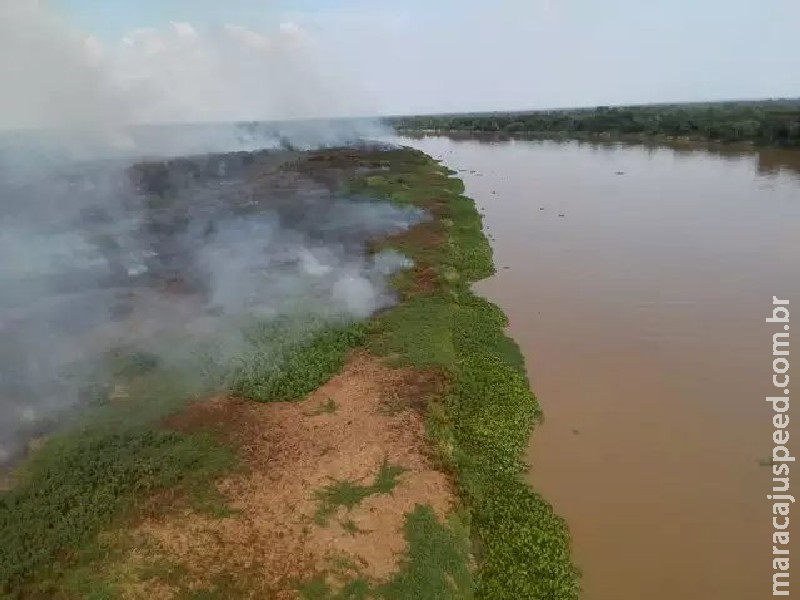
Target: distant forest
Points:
(768, 122)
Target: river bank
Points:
(378, 458)
(688, 142)
(770, 122)
(635, 278)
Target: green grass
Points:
(481, 429)
(85, 482)
(481, 432)
(319, 589)
(278, 368)
(435, 566)
(349, 495)
(76, 486)
(419, 331)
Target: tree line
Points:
(770, 122)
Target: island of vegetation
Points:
(767, 122)
(378, 458)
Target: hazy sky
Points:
(413, 56)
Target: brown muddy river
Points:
(637, 281)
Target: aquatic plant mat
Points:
(372, 459)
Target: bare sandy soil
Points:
(276, 534)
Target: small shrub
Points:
(349, 495)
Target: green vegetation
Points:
(75, 487)
(767, 122)
(481, 429)
(86, 483)
(281, 365)
(350, 495)
(319, 589)
(436, 567)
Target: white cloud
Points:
(251, 39)
(185, 30)
(471, 55)
(289, 28)
(94, 49)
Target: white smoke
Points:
(50, 76)
(57, 78)
(89, 245)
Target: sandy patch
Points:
(344, 431)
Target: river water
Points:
(637, 281)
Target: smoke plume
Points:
(108, 239)
(57, 78)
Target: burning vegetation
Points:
(164, 257)
(264, 375)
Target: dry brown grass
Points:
(343, 431)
